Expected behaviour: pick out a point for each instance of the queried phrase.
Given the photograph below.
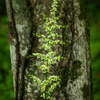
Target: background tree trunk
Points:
(24, 18)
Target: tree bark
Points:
(24, 18)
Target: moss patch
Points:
(75, 72)
(64, 77)
(85, 91)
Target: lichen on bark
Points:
(83, 16)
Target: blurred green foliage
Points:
(6, 80)
(93, 11)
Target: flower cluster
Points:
(49, 58)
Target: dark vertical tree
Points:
(24, 19)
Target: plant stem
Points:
(46, 72)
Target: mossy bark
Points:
(24, 18)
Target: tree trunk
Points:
(24, 18)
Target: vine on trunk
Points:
(49, 58)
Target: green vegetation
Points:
(93, 12)
(6, 80)
(50, 83)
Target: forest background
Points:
(6, 81)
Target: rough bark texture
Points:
(24, 18)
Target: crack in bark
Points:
(15, 35)
(26, 61)
(73, 32)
